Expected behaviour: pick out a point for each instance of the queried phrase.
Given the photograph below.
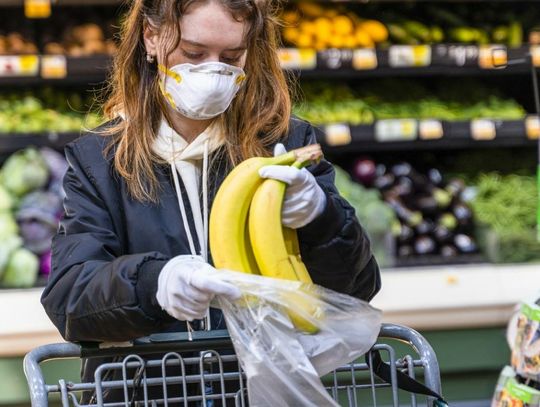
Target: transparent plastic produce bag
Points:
(287, 334)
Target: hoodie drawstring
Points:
(202, 244)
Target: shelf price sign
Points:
(407, 56)
(364, 59)
(483, 129)
(535, 53)
(532, 127)
(37, 8)
(53, 67)
(295, 58)
(430, 129)
(337, 134)
(492, 56)
(19, 65)
(396, 130)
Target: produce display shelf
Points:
(397, 60)
(32, 70)
(412, 134)
(9, 143)
(435, 297)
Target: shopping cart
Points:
(202, 373)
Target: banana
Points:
(276, 248)
(290, 238)
(228, 218)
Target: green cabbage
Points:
(8, 225)
(6, 201)
(7, 246)
(24, 171)
(22, 270)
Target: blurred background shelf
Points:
(450, 136)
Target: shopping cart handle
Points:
(169, 337)
(162, 342)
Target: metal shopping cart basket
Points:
(202, 373)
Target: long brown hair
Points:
(257, 118)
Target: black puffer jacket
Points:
(110, 249)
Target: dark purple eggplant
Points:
(427, 205)
(449, 250)
(455, 187)
(410, 218)
(384, 182)
(402, 189)
(442, 234)
(402, 169)
(405, 170)
(435, 176)
(462, 213)
(364, 171)
(405, 251)
(424, 245)
(465, 244)
(406, 234)
(426, 227)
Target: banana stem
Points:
(307, 155)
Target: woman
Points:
(196, 88)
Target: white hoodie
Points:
(185, 159)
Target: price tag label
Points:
(492, 56)
(532, 127)
(455, 55)
(407, 56)
(335, 58)
(396, 130)
(53, 66)
(19, 65)
(365, 58)
(430, 129)
(37, 8)
(337, 134)
(535, 53)
(294, 58)
(483, 129)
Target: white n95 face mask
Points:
(201, 91)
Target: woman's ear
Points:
(150, 39)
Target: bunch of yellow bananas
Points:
(246, 234)
(318, 27)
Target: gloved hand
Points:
(186, 286)
(304, 198)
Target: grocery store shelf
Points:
(412, 134)
(449, 297)
(20, 3)
(66, 71)
(9, 143)
(407, 60)
(397, 60)
(443, 297)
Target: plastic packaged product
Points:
(282, 362)
(511, 393)
(524, 339)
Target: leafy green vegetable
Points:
(24, 171)
(392, 99)
(6, 201)
(506, 203)
(7, 245)
(8, 226)
(373, 214)
(22, 269)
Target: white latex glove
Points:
(186, 286)
(304, 198)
